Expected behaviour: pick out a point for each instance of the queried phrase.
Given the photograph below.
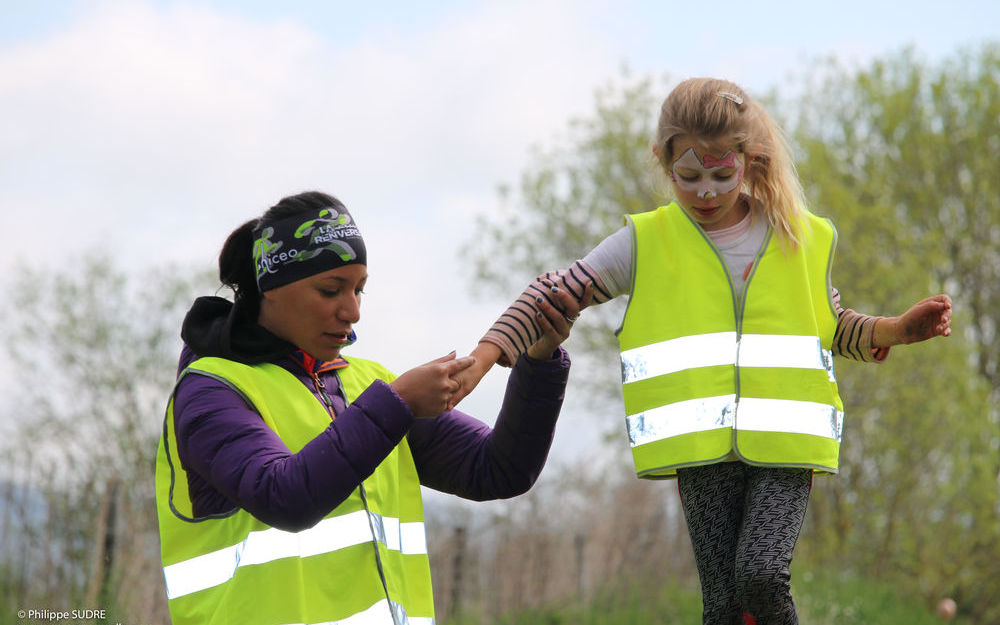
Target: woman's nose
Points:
(350, 311)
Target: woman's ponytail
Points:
(236, 269)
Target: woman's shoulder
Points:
(363, 366)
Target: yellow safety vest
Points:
(706, 373)
(365, 562)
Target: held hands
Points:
(484, 356)
(429, 389)
(555, 323)
(926, 319)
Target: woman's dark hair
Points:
(236, 268)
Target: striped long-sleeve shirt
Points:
(609, 268)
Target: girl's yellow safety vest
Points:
(365, 562)
(706, 373)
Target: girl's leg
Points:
(712, 497)
(775, 509)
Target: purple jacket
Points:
(234, 459)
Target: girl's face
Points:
(707, 181)
(316, 313)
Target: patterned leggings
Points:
(744, 522)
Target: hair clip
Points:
(729, 95)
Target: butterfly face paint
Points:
(701, 176)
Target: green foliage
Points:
(820, 600)
(905, 157)
(826, 599)
(626, 607)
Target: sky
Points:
(148, 130)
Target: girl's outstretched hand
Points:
(926, 319)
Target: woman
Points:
(288, 475)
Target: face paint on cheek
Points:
(705, 185)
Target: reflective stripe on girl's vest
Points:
(706, 373)
(365, 563)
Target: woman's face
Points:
(706, 181)
(316, 313)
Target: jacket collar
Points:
(313, 366)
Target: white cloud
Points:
(139, 115)
(150, 132)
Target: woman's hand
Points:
(556, 320)
(429, 389)
(926, 319)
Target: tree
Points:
(904, 158)
(94, 351)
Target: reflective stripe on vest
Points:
(264, 546)
(723, 348)
(382, 612)
(753, 414)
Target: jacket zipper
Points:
(321, 388)
(328, 403)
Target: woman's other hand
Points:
(555, 316)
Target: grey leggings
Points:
(744, 522)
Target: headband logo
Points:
(287, 245)
(327, 235)
(265, 254)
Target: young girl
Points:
(727, 342)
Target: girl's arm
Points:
(517, 327)
(868, 338)
(608, 268)
(853, 336)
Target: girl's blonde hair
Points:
(711, 110)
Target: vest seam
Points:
(829, 268)
(166, 447)
(635, 271)
(378, 556)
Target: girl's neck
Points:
(733, 232)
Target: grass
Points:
(821, 600)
